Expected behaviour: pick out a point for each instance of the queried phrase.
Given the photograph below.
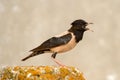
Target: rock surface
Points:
(40, 73)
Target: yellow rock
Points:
(40, 73)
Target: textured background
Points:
(24, 24)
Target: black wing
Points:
(54, 42)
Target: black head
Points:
(79, 24)
(78, 28)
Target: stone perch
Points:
(40, 73)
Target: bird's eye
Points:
(83, 26)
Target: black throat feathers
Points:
(78, 34)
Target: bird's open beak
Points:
(89, 28)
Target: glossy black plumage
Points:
(53, 42)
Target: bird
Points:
(63, 42)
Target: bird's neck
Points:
(78, 34)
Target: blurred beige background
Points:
(25, 24)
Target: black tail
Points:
(31, 55)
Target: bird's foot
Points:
(58, 62)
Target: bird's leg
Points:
(54, 55)
(58, 62)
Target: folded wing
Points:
(53, 42)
